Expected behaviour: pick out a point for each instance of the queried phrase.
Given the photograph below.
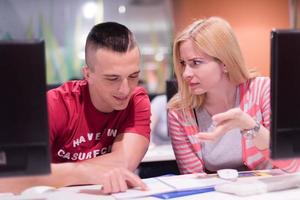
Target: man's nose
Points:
(124, 87)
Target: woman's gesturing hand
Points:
(223, 122)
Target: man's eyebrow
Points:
(134, 73)
(116, 75)
(111, 75)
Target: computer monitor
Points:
(171, 88)
(285, 94)
(24, 146)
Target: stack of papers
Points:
(173, 186)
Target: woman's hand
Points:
(223, 122)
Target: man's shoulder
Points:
(69, 89)
(140, 91)
(69, 95)
(139, 99)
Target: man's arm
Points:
(113, 170)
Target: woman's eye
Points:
(197, 62)
(182, 63)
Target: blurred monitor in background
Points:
(171, 89)
(159, 129)
(24, 148)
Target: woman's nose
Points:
(187, 73)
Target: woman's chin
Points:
(198, 91)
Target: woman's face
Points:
(201, 72)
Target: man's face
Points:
(113, 79)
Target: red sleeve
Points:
(57, 115)
(139, 112)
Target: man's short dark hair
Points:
(111, 36)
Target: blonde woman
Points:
(220, 117)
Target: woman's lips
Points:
(193, 85)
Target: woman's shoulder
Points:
(258, 80)
(255, 89)
(256, 83)
(261, 79)
(181, 113)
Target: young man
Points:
(99, 126)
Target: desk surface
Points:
(92, 193)
(159, 153)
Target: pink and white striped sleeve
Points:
(187, 159)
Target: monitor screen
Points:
(24, 146)
(285, 94)
(171, 88)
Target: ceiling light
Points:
(122, 9)
(89, 10)
(159, 57)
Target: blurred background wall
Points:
(251, 21)
(64, 25)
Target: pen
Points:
(174, 194)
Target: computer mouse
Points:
(38, 190)
(228, 174)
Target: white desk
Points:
(68, 193)
(92, 193)
(159, 153)
(154, 154)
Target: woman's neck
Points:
(221, 99)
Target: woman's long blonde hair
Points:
(214, 37)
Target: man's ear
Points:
(86, 72)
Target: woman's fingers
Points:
(234, 113)
(217, 132)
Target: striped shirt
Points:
(254, 100)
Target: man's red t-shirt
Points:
(78, 131)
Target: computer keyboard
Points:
(246, 187)
(282, 182)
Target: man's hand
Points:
(119, 179)
(112, 177)
(114, 170)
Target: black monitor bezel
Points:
(23, 157)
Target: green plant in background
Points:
(56, 67)
(73, 59)
(6, 37)
(62, 62)
(29, 29)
